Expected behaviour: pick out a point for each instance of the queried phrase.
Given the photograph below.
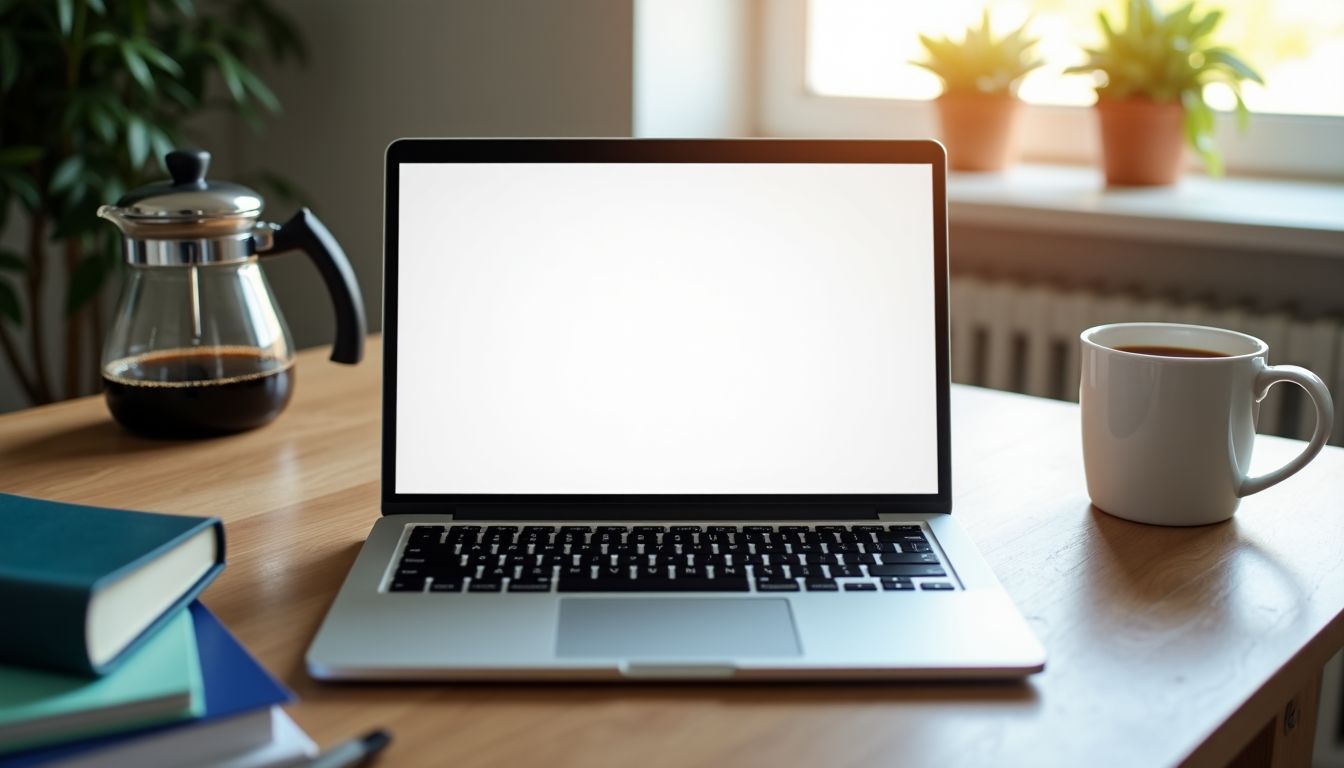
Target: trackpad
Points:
(675, 628)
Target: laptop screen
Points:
(665, 328)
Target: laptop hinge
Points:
(418, 508)
(904, 515)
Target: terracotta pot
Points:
(980, 130)
(1142, 142)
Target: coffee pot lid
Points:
(188, 196)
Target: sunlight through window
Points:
(863, 48)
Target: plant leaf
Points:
(228, 69)
(1199, 130)
(22, 154)
(67, 173)
(1206, 24)
(157, 57)
(12, 262)
(23, 186)
(101, 39)
(103, 123)
(259, 90)
(9, 63)
(161, 144)
(135, 64)
(1230, 60)
(1243, 114)
(137, 141)
(65, 16)
(84, 283)
(9, 303)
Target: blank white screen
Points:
(666, 328)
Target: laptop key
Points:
(529, 585)
(937, 586)
(416, 584)
(822, 585)
(568, 584)
(847, 572)
(906, 570)
(860, 586)
(908, 558)
(485, 585)
(445, 586)
(776, 585)
(898, 585)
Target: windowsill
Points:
(1275, 214)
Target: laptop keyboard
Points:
(667, 558)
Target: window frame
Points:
(1303, 146)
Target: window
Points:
(841, 67)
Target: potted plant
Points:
(979, 109)
(91, 93)
(1150, 93)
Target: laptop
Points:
(667, 409)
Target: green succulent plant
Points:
(979, 63)
(1168, 58)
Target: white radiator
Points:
(1024, 338)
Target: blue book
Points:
(84, 586)
(234, 684)
(161, 683)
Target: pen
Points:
(352, 752)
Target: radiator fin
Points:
(1024, 338)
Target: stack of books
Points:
(106, 658)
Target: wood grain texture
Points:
(1165, 645)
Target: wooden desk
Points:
(1166, 645)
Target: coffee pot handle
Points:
(304, 232)
(1325, 415)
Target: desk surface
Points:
(1165, 645)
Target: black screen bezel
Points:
(665, 506)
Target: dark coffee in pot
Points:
(198, 392)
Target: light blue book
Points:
(159, 682)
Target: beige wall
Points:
(395, 68)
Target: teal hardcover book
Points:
(83, 586)
(159, 682)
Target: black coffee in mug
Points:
(198, 392)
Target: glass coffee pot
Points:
(198, 346)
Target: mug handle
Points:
(1325, 418)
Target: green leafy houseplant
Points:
(980, 63)
(92, 95)
(979, 108)
(1169, 59)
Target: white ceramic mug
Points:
(1168, 440)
